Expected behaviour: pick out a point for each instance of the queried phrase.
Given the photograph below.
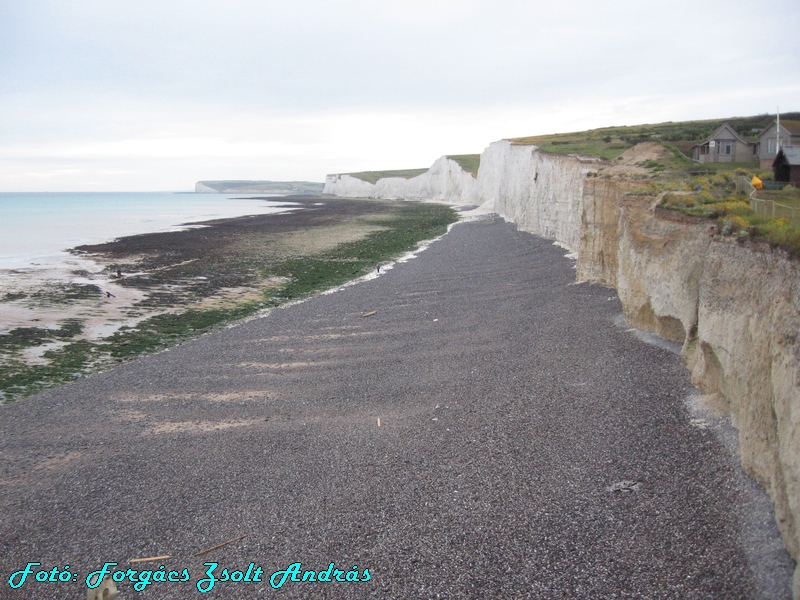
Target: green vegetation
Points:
(406, 225)
(161, 331)
(610, 142)
(11, 296)
(30, 337)
(402, 226)
(64, 364)
(598, 143)
(714, 196)
(63, 293)
(409, 224)
(469, 162)
(788, 196)
(653, 165)
(707, 190)
(750, 168)
(374, 176)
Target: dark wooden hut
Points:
(786, 166)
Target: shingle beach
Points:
(469, 424)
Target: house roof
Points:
(791, 154)
(790, 126)
(793, 126)
(718, 130)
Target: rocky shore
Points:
(145, 292)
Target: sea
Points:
(37, 228)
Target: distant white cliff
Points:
(445, 181)
(202, 188)
(245, 186)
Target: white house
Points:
(724, 145)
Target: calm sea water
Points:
(37, 228)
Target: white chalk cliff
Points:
(445, 181)
(734, 306)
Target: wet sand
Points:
(487, 432)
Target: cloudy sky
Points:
(155, 95)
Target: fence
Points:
(775, 210)
(743, 184)
(768, 208)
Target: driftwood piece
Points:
(218, 546)
(149, 559)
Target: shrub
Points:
(733, 224)
(781, 232)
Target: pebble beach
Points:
(469, 424)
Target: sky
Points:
(101, 95)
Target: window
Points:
(771, 146)
(727, 148)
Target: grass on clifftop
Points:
(714, 196)
(709, 190)
(610, 142)
(469, 162)
(374, 176)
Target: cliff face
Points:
(540, 193)
(445, 181)
(734, 307)
(247, 186)
(202, 188)
(747, 351)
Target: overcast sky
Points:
(155, 95)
